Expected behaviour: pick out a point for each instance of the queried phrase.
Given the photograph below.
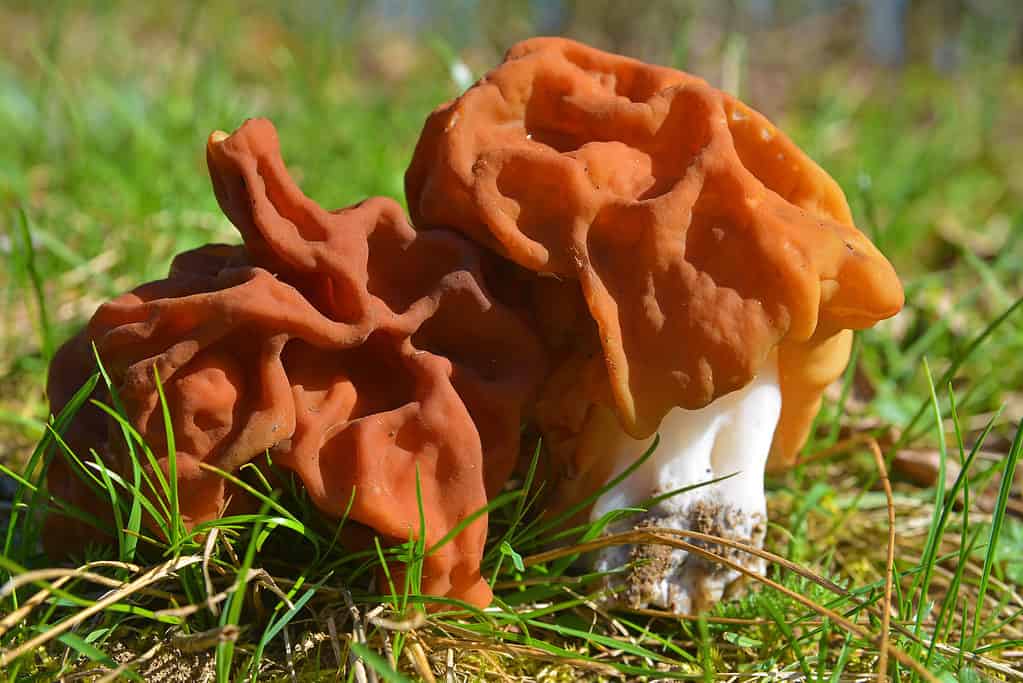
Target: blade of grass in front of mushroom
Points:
(389, 589)
(109, 481)
(561, 518)
(35, 473)
(189, 578)
(415, 555)
(127, 541)
(149, 497)
(597, 527)
(524, 505)
(308, 532)
(175, 526)
(231, 615)
(546, 531)
(275, 626)
(497, 503)
(379, 664)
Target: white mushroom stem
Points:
(731, 436)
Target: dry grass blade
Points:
(207, 552)
(205, 640)
(843, 446)
(738, 621)
(335, 642)
(15, 617)
(417, 620)
(64, 575)
(213, 599)
(16, 582)
(622, 538)
(980, 660)
(289, 655)
(730, 543)
(389, 650)
(363, 674)
(886, 617)
(152, 575)
(189, 610)
(264, 579)
(795, 676)
(850, 626)
(418, 659)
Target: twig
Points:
(842, 446)
(205, 640)
(886, 617)
(207, 552)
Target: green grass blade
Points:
(45, 329)
(379, 664)
(997, 521)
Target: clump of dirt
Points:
(650, 564)
(691, 582)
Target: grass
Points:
(102, 180)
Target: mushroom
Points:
(367, 359)
(717, 269)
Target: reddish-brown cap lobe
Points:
(701, 237)
(363, 356)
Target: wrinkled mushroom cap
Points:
(363, 356)
(700, 236)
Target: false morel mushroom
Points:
(717, 268)
(368, 359)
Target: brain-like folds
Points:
(360, 354)
(700, 236)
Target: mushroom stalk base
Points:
(729, 438)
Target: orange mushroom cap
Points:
(361, 354)
(700, 236)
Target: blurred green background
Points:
(915, 107)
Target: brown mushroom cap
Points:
(701, 236)
(361, 354)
